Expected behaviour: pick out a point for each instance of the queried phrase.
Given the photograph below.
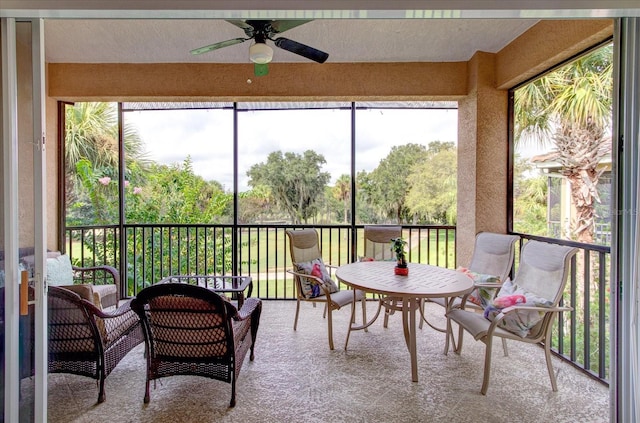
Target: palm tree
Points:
(572, 107)
(91, 137)
(91, 133)
(342, 192)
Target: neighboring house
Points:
(560, 211)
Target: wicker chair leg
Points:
(232, 403)
(255, 321)
(147, 398)
(101, 395)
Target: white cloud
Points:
(207, 136)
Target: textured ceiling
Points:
(346, 40)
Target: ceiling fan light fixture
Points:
(260, 53)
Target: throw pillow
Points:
(363, 258)
(519, 322)
(317, 268)
(481, 296)
(59, 271)
(84, 291)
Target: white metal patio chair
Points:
(531, 305)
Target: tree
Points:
(389, 185)
(433, 183)
(530, 205)
(91, 154)
(295, 180)
(365, 209)
(342, 192)
(175, 194)
(254, 204)
(91, 133)
(572, 106)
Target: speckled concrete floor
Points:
(296, 378)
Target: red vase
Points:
(402, 271)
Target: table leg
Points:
(364, 325)
(414, 304)
(409, 308)
(405, 322)
(449, 333)
(353, 312)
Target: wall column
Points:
(482, 156)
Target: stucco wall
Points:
(546, 44)
(482, 156)
(285, 81)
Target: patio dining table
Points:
(423, 281)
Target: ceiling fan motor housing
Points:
(260, 53)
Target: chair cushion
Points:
(481, 296)
(105, 294)
(519, 322)
(317, 268)
(59, 271)
(84, 291)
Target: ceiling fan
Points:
(261, 31)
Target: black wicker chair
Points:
(86, 341)
(190, 330)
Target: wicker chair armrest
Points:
(123, 309)
(248, 308)
(110, 271)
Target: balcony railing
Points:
(153, 252)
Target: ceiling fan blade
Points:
(216, 46)
(246, 26)
(285, 25)
(301, 49)
(260, 69)
(240, 24)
